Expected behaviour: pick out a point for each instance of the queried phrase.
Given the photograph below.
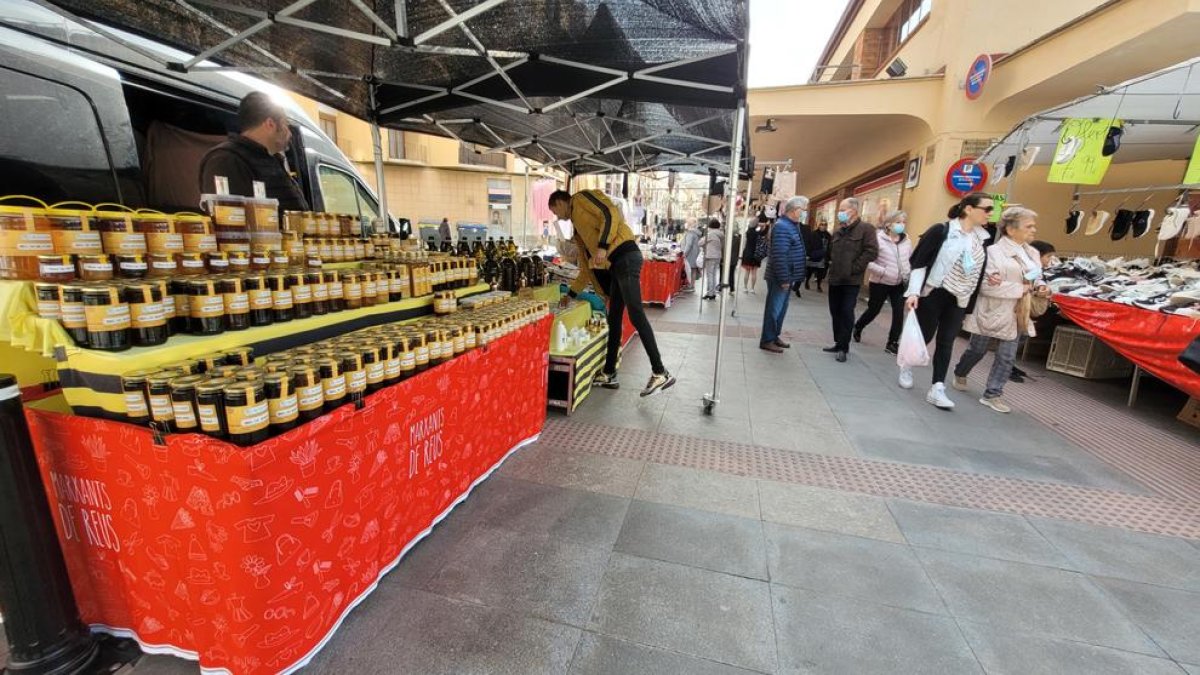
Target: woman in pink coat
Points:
(888, 277)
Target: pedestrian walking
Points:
(785, 266)
(713, 243)
(854, 246)
(888, 277)
(757, 245)
(948, 266)
(691, 253)
(817, 245)
(1002, 312)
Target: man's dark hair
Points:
(256, 108)
(714, 224)
(559, 196)
(1042, 247)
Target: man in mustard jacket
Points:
(610, 260)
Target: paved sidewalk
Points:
(821, 521)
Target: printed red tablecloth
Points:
(249, 558)
(661, 280)
(1152, 340)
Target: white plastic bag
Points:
(913, 351)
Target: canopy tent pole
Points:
(528, 199)
(746, 222)
(735, 160)
(380, 179)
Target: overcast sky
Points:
(787, 37)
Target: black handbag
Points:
(1191, 355)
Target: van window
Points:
(343, 194)
(51, 144)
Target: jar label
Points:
(183, 306)
(336, 290)
(301, 293)
(218, 264)
(460, 344)
(260, 299)
(422, 355)
(354, 291)
(164, 242)
(208, 417)
(73, 315)
(282, 299)
(241, 262)
(147, 314)
(50, 269)
(311, 249)
(261, 260)
(185, 418)
(408, 361)
(470, 340)
(124, 242)
(168, 307)
(207, 306)
(266, 217)
(18, 242)
(75, 242)
(160, 408)
(320, 292)
(435, 350)
(448, 349)
(193, 264)
(107, 317)
(310, 397)
(93, 267)
(396, 285)
(375, 372)
(199, 243)
(281, 260)
(245, 419)
(164, 265)
(356, 381)
(135, 404)
(369, 289)
(392, 368)
(49, 309)
(335, 388)
(237, 303)
(229, 215)
(133, 266)
(284, 409)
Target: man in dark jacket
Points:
(256, 154)
(785, 265)
(854, 246)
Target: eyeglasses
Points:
(986, 209)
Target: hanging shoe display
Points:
(1142, 220)
(1097, 222)
(1122, 224)
(1172, 222)
(1074, 218)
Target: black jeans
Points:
(841, 308)
(625, 293)
(894, 294)
(939, 313)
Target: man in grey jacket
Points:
(691, 252)
(853, 247)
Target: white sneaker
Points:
(906, 380)
(960, 383)
(937, 396)
(996, 404)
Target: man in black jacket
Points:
(853, 247)
(256, 154)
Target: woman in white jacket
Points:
(888, 277)
(1002, 311)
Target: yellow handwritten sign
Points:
(1192, 176)
(1079, 157)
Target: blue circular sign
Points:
(977, 75)
(966, 176)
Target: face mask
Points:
(843, 217)
(898, 228)
(803, 217)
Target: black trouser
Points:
(811, 271)
(894, 294)
(939, 312)
(625, 293)
(841, 308)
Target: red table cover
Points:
(249, 558)
(1152, 340)
(661, 280)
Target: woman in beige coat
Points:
(1002, 311)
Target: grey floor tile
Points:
(535, 574)
(159, 664)
(567, 514)
(433, 635)
(704, 490)
(1012, 653)
(1015, 596)
(707, 614)
(423, 560)
(603, 655)
(828, 510)
(593, 473)
(1171, 617)
(981, 533)
(1191, 669)
(820, 633)
(728, 423)
(824, 441)
(711, 541)
(1112, 552)
(879, 571)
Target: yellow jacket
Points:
(598, 224)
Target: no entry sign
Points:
(966, 176)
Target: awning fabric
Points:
(588, 85)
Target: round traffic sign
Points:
(977, 75)
(966, 176)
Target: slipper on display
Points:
(1097, 222)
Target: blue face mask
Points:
(843, 217)
(898, 228)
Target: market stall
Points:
(662, 280)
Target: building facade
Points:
(886, 113)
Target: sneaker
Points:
(906, 379)
(892, 348)
(960, 383)
(937, 397)
(657, 383)
(996, 404)
(606, 380)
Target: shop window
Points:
(395, 139)
(329, 127)
(914, 12)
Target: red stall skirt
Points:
(661, 280)
(248, 559)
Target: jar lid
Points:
(54, 212)
(94, 257)
(135, 376)
(252, 390)
(186, 383)
(151, 216)
(55, 258)
(186, 365)
(163, 377)
(191, 218)
(213, 385)
(279, 378)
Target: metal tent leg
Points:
(735, 160)
(380, 178)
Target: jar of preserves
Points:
(293, 221)
(210, 406)
(320, 292)
(360, 250)
(206, 307)
(354, 373)
(374, 365)
(237, 303)
(95, 267)
(458, 338)
(325, 250)
(159, 229)
(192, 264)
(148, 322)
(421, 351)
(24, 235)
(239, 262)
(337, 298)
(282, 401)
(337, 250)
(196, 230)
(279, 260)
(185, 366)
(130, 265)
(250, 373)
(247, 415)
(56, 268)
(133, 391)
(353, 290)
(301, 295)
(469, 336)
(261, 302)
(281, 297)
(312, 248)
(333, 382)
(228, 213)
(217, 262)
(260, 261)
(389, 356)
(107, 318)
(117, 233)
(181, 294)
(262, 215)
(210, 362)
(162, 264)
(241, 357)
(158, 395)
(313, 262)
(49, 300)
(395, 286)
(370, 289)
(73, 315)
(183, 403)
(71, 229)
(324, 226)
